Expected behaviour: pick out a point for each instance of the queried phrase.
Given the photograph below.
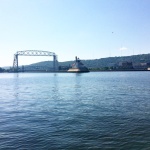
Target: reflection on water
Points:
(101, 110)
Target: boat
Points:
(78, 66)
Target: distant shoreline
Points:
(77, 72)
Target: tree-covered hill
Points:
(102, 62)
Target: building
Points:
(125, 65)
(78, 66)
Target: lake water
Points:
(96, 110)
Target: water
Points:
(101, 110)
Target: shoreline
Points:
(76, 72)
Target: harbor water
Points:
(69, 111)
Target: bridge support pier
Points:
(55, 63)
(15, 63)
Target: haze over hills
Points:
(102, 62)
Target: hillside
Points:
(102, 62)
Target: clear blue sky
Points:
(89, 29)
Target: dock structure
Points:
(78, 66)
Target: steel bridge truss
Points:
(34, 53)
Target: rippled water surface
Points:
(101, 110)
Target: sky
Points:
(89, 29)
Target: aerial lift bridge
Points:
(34, 53)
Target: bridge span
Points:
(34, 53)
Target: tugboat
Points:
(78, 66)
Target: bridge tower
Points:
(15, 63)
(55, 63)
